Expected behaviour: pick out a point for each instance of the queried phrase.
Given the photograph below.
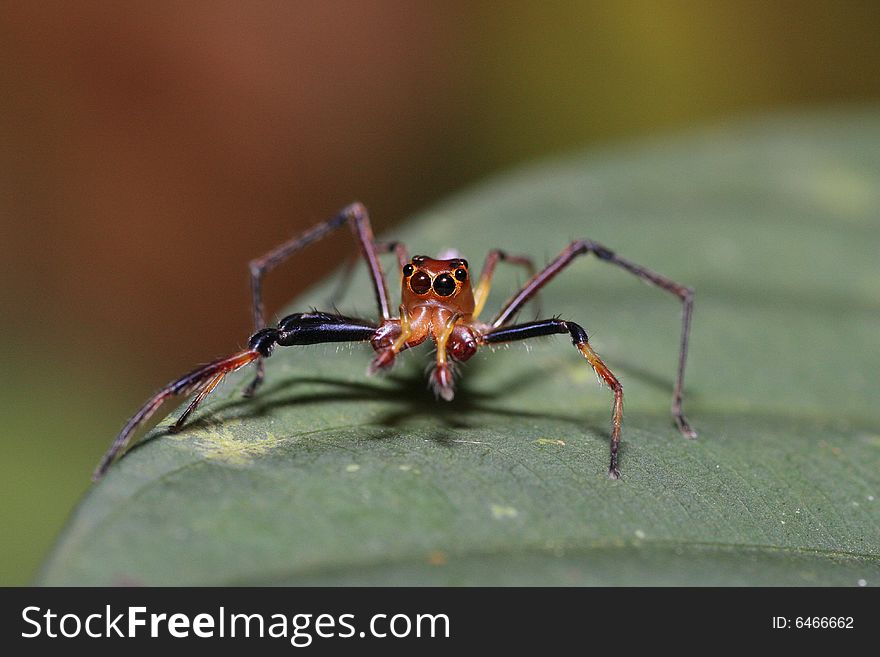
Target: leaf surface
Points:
(331, 477)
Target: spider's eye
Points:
(408, 270)
(461, 275)
(420, 282)
(444, 285)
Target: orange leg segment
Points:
(580, 340)
(204, 379)
(617, 408)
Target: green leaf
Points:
(331, 477)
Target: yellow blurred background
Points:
(148, 150)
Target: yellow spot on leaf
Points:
(500, 512)
(550, 441)
(220, 443)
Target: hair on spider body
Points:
(439, 300)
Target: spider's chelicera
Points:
(437, 302)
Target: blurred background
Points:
(148, 150)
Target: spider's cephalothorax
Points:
(438, 300)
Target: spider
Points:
(438, 301)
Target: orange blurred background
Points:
(149, 150)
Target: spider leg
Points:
(200, 379)
(345, 279)
(585, 247)
(357, 217)
(481, 292)
(397, 248)
(296, 329)
(198, 399)
(580, 340)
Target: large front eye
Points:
(420, 283)
(444, 285)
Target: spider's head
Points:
(438, 282)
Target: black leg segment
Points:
(318, 327)
(536, 329)
(307, 328)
